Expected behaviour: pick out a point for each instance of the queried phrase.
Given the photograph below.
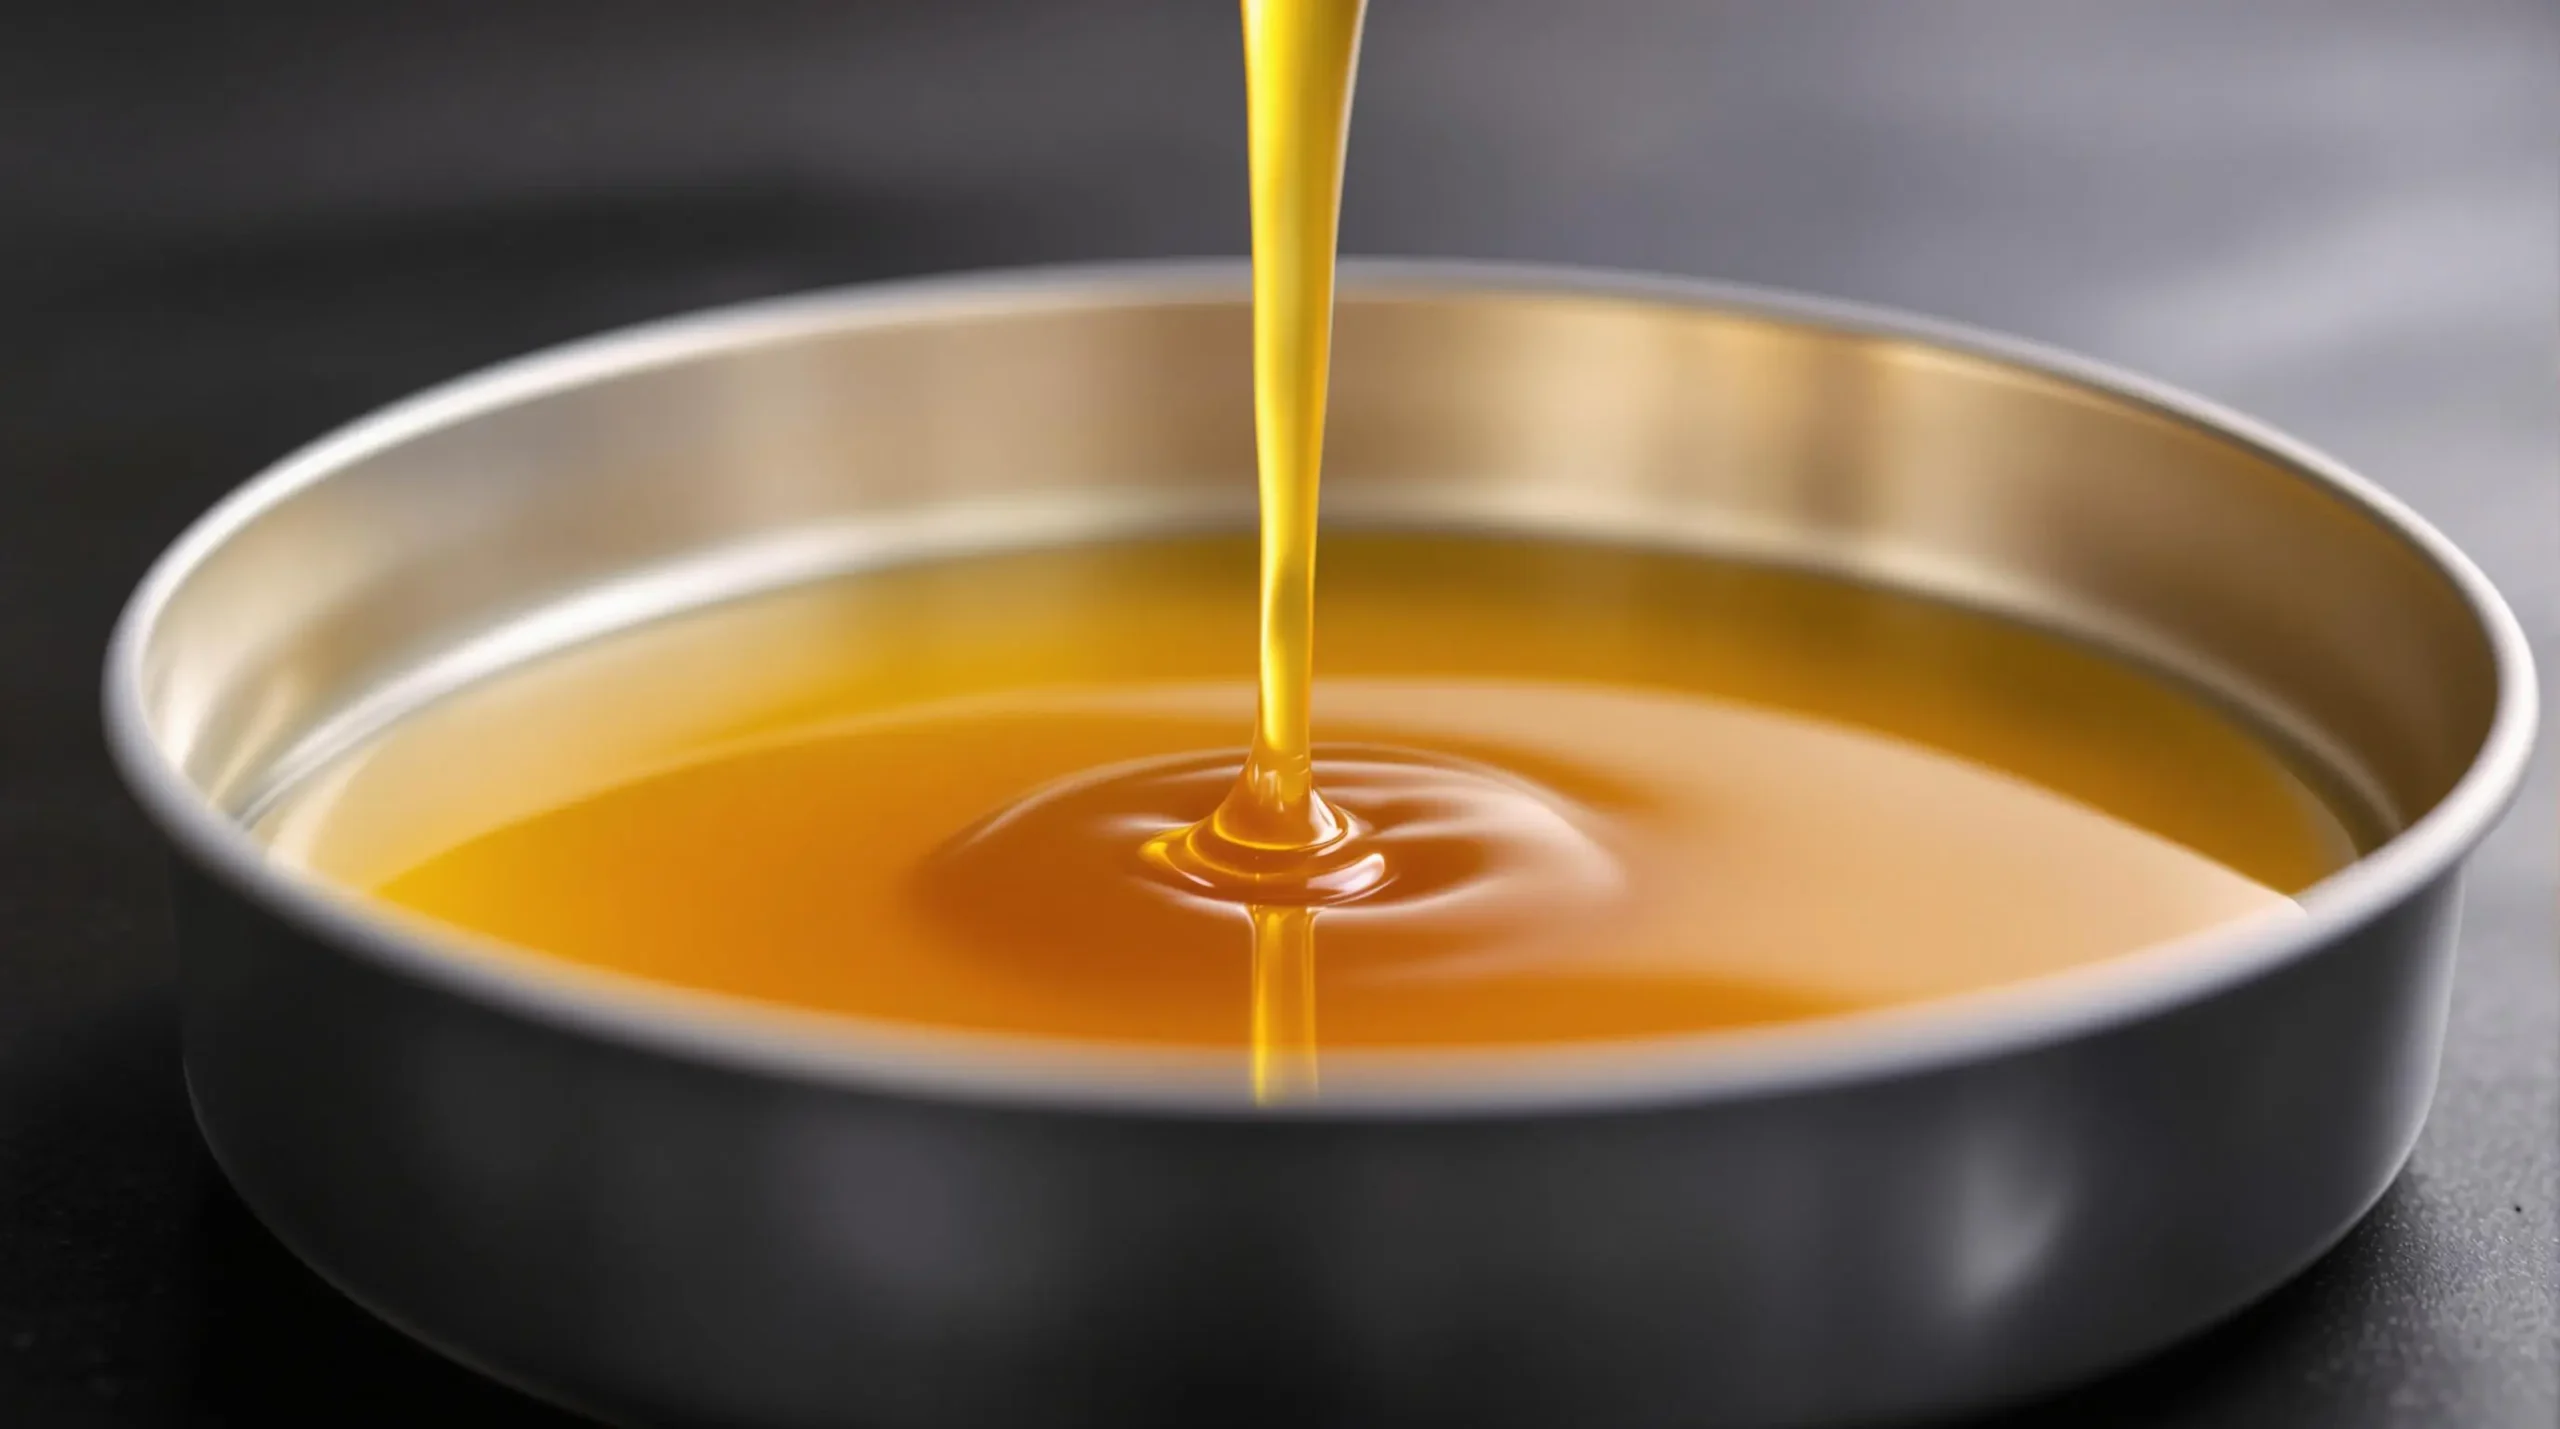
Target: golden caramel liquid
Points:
(1275, 843)
(1567, 792)
(1627, 793)
(1299, 59)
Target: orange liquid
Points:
(1569, 793)
(1622, 793)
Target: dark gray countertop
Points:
(228, 233)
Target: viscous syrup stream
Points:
(1300, 58)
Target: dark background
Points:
(224, 228)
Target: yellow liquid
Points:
(1570, 793)
(1299, 59)
(1275, 843)
(1719, 796)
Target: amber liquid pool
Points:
(1610, 793)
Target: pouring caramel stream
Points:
(1299, 59)
(1275, 825)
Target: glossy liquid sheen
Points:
(1568, 793)
(1682, 795)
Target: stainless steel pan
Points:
(661, 1208)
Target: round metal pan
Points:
(666, 1208)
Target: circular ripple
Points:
(1123, 853)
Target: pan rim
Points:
(856, 1055)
